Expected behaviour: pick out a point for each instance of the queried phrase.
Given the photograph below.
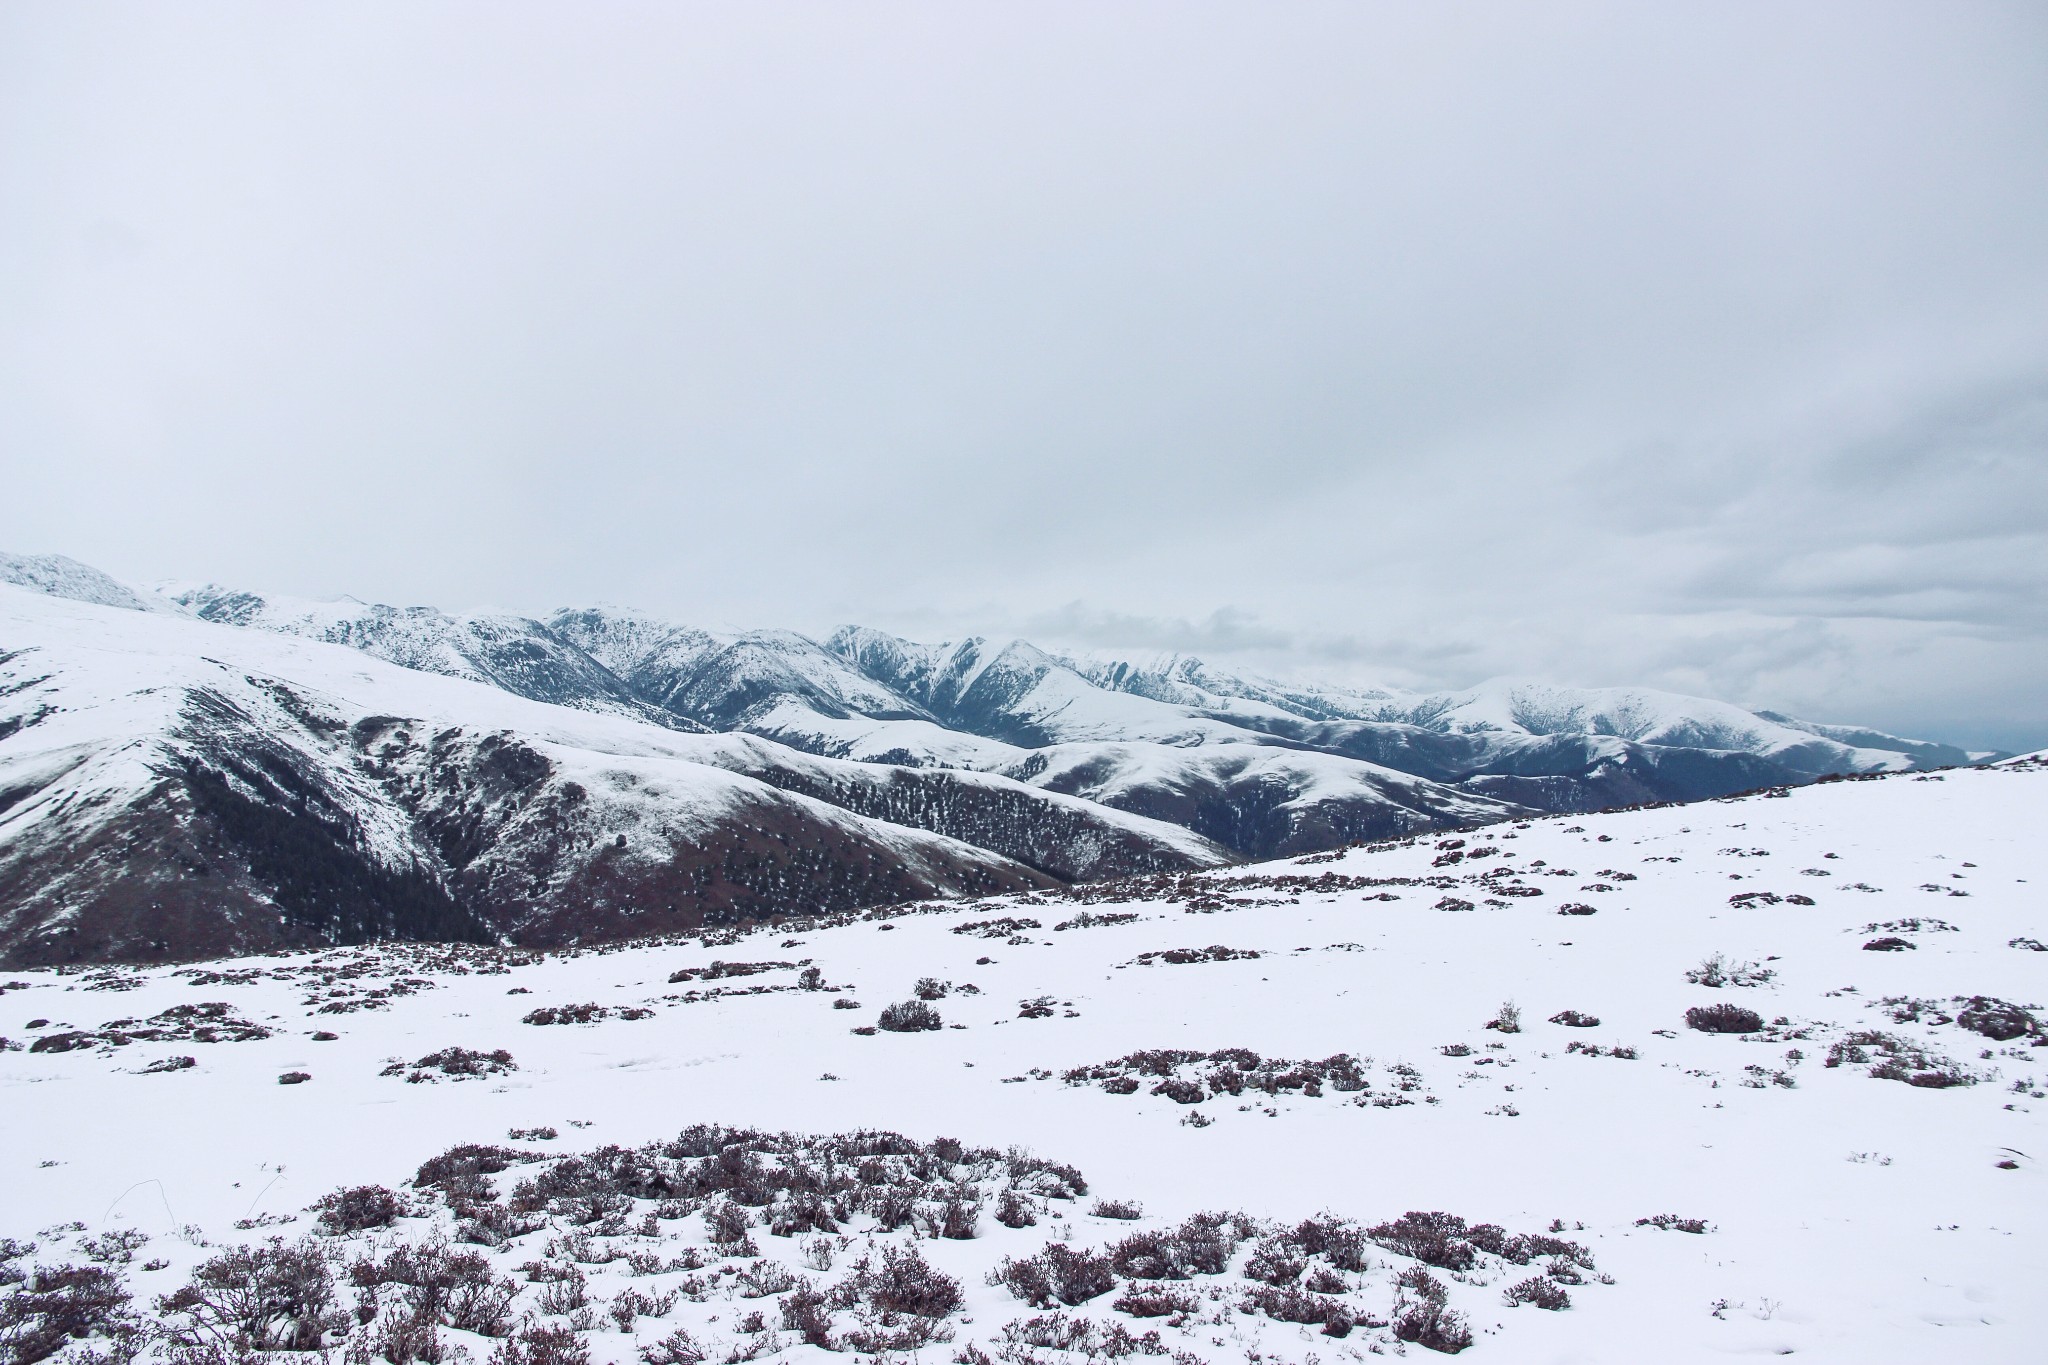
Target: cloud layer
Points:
(1699, 348)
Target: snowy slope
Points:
(61, 576)
(1382, 761)
(803, 695)
(521, 656)
(1266, 801)
(173, 786)
(1506, 708)
(1843, 1215)
(724, 680)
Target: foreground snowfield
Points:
(1851, 1217)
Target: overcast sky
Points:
(1700, 346)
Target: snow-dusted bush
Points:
(901, 1282)
(356, 1209)
(1717, 970)
(797, 1183)
(1429, 1323)
(585, 1014)
(808, 1313)
(1423, 1285)
(1151, 1301)
(1336, 1240)
(1088, 919)
(1436, 1239)
(727, 1225)
(1447, 1242)
(1057, 1274)
(1540, 1290)
(1723, 1019)
(1079, 1338)
(1275, 1260)
(1892, 1058)
(555, 1344)
(909, 1016)
(257, 1298)
(1013, 1210)
(51, 1307)
(997, 928)
(1202, 1245)
(454, 1063)
(677, 1348)
(433, 1283)
(1189, 1077)
(1181, 957)
(1999, 1020)
(115, 1247)
(1287, 1304)
(1595, 1050)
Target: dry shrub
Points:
(1057, 1274)
(553, 1344)
(1540, 1290)
(53, 1306)
(909, 1016)
(357, 1209)
(257, 1298)
(1431, 1324)
(1723, 1019)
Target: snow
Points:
(1852, 1219)
(111, 690)
(1166, 699)
(927, 743)
(1518, 707)
(1107, 772)
(61, 576)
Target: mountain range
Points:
(195, 770)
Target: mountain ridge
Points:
(435, 772)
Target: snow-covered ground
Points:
(1849, 1217)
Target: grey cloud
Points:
(1608, 343)
(1227, 630)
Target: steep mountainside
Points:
(171, 787)
(518, 655)
(787, 771)
(973, 708)
(62, 576)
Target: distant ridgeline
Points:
(200, 771)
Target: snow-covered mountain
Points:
(1744, 1079)
(984, 704)
(438, 766)
(170, 787)
(990, 710)
(509, 652)
(62, 576)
